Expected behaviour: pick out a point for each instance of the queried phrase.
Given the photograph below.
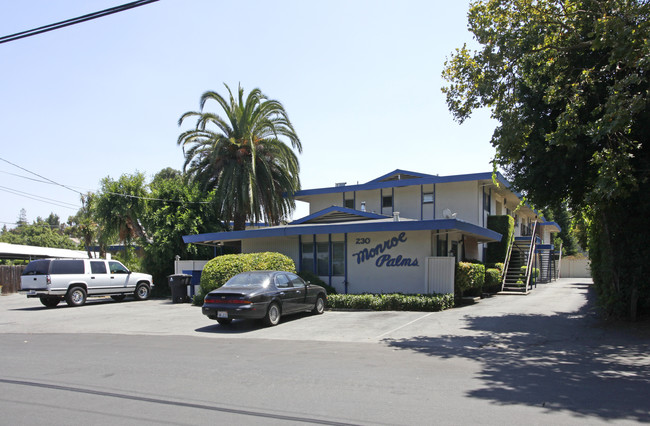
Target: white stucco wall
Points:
(407, 201)
(321, 202)
(462, 198)
(379, 272)
(285, 245)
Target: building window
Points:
(308, 257)
(323, 258)
(338, 258)
(387, 201)
(487, 201)
(349, 203)
(427, 198)
(441, 245)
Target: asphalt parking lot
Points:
(161, 317)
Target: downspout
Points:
(299, 253)
(329, 255)
(345, 261)
(315, 256)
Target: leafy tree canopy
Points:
(41, 233)
(568, 83)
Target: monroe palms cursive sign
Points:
(385, 259)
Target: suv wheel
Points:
(141, 292)
(76, 296)
(50, 302)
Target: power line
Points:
(50, 181)
(73, 21)
(39, 198)
(42, 177)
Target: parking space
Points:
(161, 317)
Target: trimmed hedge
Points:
(492, 281)
(504, 225)
(220, 269)
(470, 278)
(392, 302)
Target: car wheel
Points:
(272, 315)
(118, 297)
(224, 321)
(50, 302)
(141, 292)
(76, 296)
(319, 306)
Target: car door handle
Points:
(92, 278)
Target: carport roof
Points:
(17, 251)
(483, 235)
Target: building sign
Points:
(378, 252)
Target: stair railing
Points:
(531, 254)
(507, 261)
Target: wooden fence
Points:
(10, 278)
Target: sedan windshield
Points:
(248, 279)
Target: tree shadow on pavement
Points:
(568, 362)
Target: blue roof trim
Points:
(400, 172)
(341, 228)
(552, 224)
(404, 182)
(338, 209)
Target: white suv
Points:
(53, 280)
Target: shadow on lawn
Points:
(564, 362)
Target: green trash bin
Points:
(178, 284)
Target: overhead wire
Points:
(74, 21)
(50, 181)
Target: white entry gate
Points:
(439, 275)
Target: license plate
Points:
(31, 292)
(222, 314)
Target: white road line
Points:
(405, 325)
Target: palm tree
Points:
(243, 158)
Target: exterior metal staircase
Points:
(517, 280)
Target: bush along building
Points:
(405, 232)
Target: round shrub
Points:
(492, 280)
(470, 278)
(220, 269)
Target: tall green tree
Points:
(243, 156)
(119, 207)
(568, 83)
(175, 208)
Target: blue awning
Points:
(483, 235)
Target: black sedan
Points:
(263, 295)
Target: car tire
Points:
(319, 306)
(141, 292)
(118, 297)
(224, 321)
(50, 302)
(76, 296)
(273, 314)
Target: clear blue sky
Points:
(360, 81)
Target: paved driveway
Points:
(160, 317)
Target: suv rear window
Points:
(37, 267)
(67, 267)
